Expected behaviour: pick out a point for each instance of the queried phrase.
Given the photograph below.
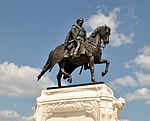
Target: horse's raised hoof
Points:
(69, 80)
(103, 74)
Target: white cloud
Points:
(21, 81)
(146, 50)
(142, 60)
(141, 79)
(144, 79)
(124, 81)
(7, 115)
(140, 94)
(111, 20)
(127, 64)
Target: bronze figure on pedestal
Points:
(78, 50)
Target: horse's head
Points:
(105, 33)
(100, 33)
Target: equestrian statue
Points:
(79, 50)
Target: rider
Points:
(75, 37)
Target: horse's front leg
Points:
(91, 64)
(107, 65)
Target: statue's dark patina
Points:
(75, 37)
(78, 51)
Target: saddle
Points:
(70, 48)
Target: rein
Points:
(103, 46)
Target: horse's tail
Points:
(55, 56)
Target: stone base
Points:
(89, 102)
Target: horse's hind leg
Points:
(62, 71)
(107, 65)
(91, 63)
(59, 75)
(67, 75)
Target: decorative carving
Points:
(108, 90)
(89, 106)
(117, 106)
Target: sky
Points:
(30, 29)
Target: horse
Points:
(92, 55)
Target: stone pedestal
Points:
(89, 102)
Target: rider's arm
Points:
(74, 31)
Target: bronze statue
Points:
(86, 51)
(75, 37)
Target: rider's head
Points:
(80, 21)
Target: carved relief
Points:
(91, 107)
(117, 106)
(96, 101)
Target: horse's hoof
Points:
(69, 80)
(93, 80)
(103, 74)
(59, 85)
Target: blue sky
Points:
(29, 30)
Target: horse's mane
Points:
(94, 33)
